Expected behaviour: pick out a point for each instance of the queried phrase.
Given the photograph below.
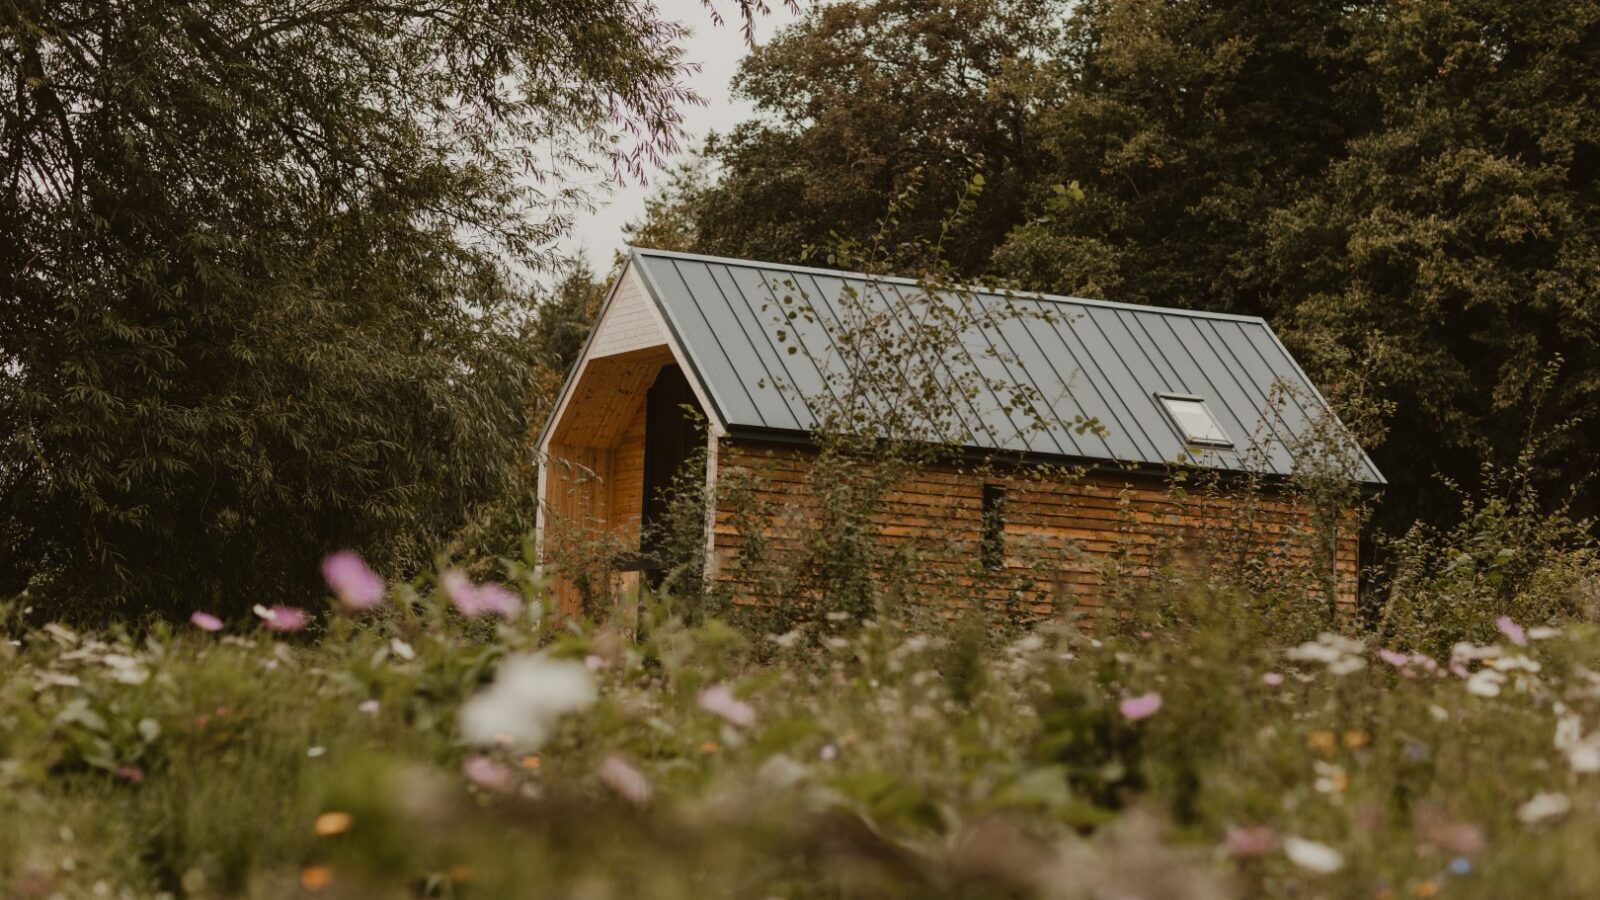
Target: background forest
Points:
(266, 289)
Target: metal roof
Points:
(765, 368)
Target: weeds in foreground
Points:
(446, 738)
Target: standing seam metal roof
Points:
(764, 339)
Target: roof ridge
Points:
(975, 288)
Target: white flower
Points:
(1585, 758)
(125, 669)
(1346, 665)
(1485, 683)
(1543, 633)
(1030, 644)
(1465, 652)
(782, 772)
(1340, 654)
(1543, 807)
(1569, 732)
(531, 692)
(1508, 663)
(1313, 651)
(1583, 753)
(402, 649)
(1312, 856)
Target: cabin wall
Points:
(1068, 541)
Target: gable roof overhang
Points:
(587, 356)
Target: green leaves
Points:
(263, 294)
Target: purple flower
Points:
(1393, 658)
(621, 776)
(285, 619)
(486, 772)
(1141, 707)
(1512, 631)
(720, 702)
(473, 600)
(463, 595)
(357, 587)
(494, 598)
(1272, 679)
(205, 621)
(1245, 842)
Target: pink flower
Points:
(1272, 679)
(285, 619)
(1393, 658)
(621, 776)
(1512, 631)
(1141, 707)
(497, 599)
(131, 773)
(1460, 838)
(486, 772)
(720, 702)
(1245, 842)
(357, 587)
(463, 596)
(473, 600)
(205, 621)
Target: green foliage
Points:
(867, 101)
(878, 762)
(1505, 557)
(257, 294)
(1451, 247)
(1402, 188)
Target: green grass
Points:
(879, 763)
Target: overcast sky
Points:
(598, 235)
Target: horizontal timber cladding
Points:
(1073, 541)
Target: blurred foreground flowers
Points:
(450, 738)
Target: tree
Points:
(1454, 251)
(862, 103)
(1185, 125)
(257, 296)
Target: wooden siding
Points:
(606, 398)
(627, 482)
(1068, 540)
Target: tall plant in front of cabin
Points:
(902, 392)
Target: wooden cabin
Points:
(725, 366)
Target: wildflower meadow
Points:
(451, 737)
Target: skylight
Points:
(1194, 420)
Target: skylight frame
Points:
(1216, 436)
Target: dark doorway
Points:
(674, 435)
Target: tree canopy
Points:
(260, 289)
(1406, 190)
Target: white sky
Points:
(598, 234)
